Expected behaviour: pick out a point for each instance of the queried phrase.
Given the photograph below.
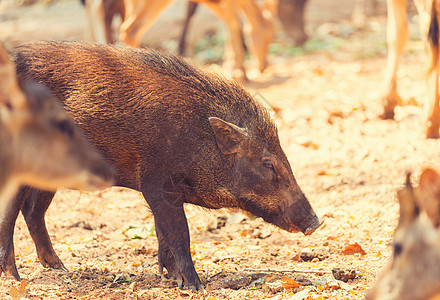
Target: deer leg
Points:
(433, 119)
(95, 15)
(261, 30)
(429, 28)
(191, 9)
(397, 35)
(234, 50)
(140, 15)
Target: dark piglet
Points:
(175, 133)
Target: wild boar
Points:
(174, 132)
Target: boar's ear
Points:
(229, 136)
(429, 194)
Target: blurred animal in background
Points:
(397, 35)
(40, 145)
(140, 15)
(290, 13)
(32, 2)
(100, 14)
(362, 10)
(413, 272)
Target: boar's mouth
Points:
(307, 225)
(294, 218)
(299, 214)
(312, 228)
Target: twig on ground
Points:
(287, 271)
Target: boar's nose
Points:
(302, 216)
(313, 226)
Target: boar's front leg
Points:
(174, 241)
(7, 224)
(34, 208)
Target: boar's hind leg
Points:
(174, 242)
(7, 224)
(35, 204)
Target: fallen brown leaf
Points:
(288, 283)
(353, 249)
(20, 292)
(296, 258)
(185, 293)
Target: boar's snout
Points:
(303, 219)
(313, 226)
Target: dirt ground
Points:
(348, 162)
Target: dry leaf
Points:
(310, 144)
(14, 293)
(23, 285)
(20, 292)
(352, 249)
(288, 283)
(300, 295)
(344, 285)
(332, 285)
(275, 286)
(185, 293)
(296, 258)
(133, 286)
(318, 71)
(276, 297)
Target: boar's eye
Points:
(268, 164)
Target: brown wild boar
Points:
(175, 133)
(413, 272)
(40, 146)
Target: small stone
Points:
(308, 254)
(301, 279)
(344, 274)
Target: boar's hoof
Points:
(186, 280)
(52, 261)
(10, 269)
(185, 275)
(181, 281)
(313, 227)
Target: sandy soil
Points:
(347, 161)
